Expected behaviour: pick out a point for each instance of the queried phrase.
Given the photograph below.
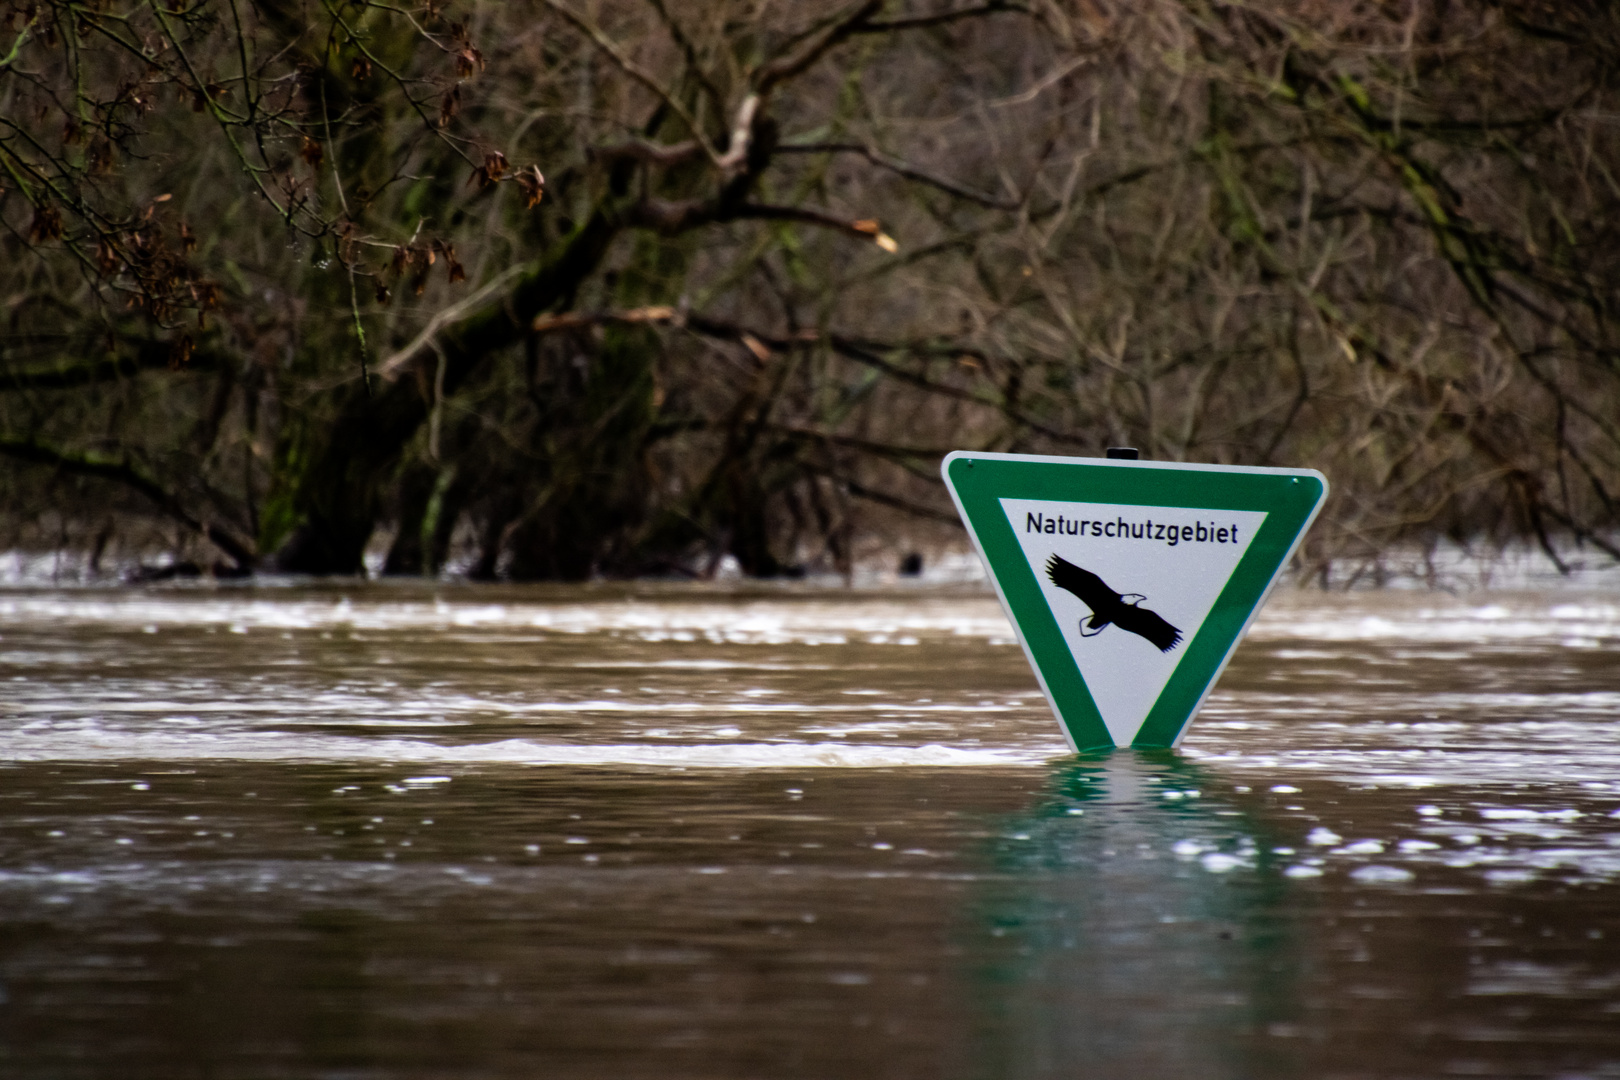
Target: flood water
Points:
(435, 831)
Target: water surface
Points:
(418, 831)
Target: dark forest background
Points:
(621, 287)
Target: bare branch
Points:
(636, 72)
(149, 356)
(910, 172)
(783, 68)
(123, 471)
(664, 154)
(861, 491)
(866, 351)
(390, 368)
(942, 18)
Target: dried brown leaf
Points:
(98, 159)
(180, 350)
(533, 185)
(47, 224)
(468, 62)
(107, 257)
(757, 347)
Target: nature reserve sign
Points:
(1129, 582)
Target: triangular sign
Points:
(1129, 583)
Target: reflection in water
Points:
(1124, 940)
(417, 831)
(1151, 918)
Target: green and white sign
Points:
(1130, 583)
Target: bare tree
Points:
(626, 287)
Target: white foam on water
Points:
(1459, 624)
(792, 619)
(289, 747)
(338, 709)
(1386, 730)
(716, 619)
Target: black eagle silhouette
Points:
(1109, 607)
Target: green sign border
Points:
(1290, 498)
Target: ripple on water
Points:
(1397, 824)
(1435, 701)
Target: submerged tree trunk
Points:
(325, 498)
(410, 553)
(596, 406)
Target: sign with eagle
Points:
(1129, 583)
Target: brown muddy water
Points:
(413, 831)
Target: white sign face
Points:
(1129, 586)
